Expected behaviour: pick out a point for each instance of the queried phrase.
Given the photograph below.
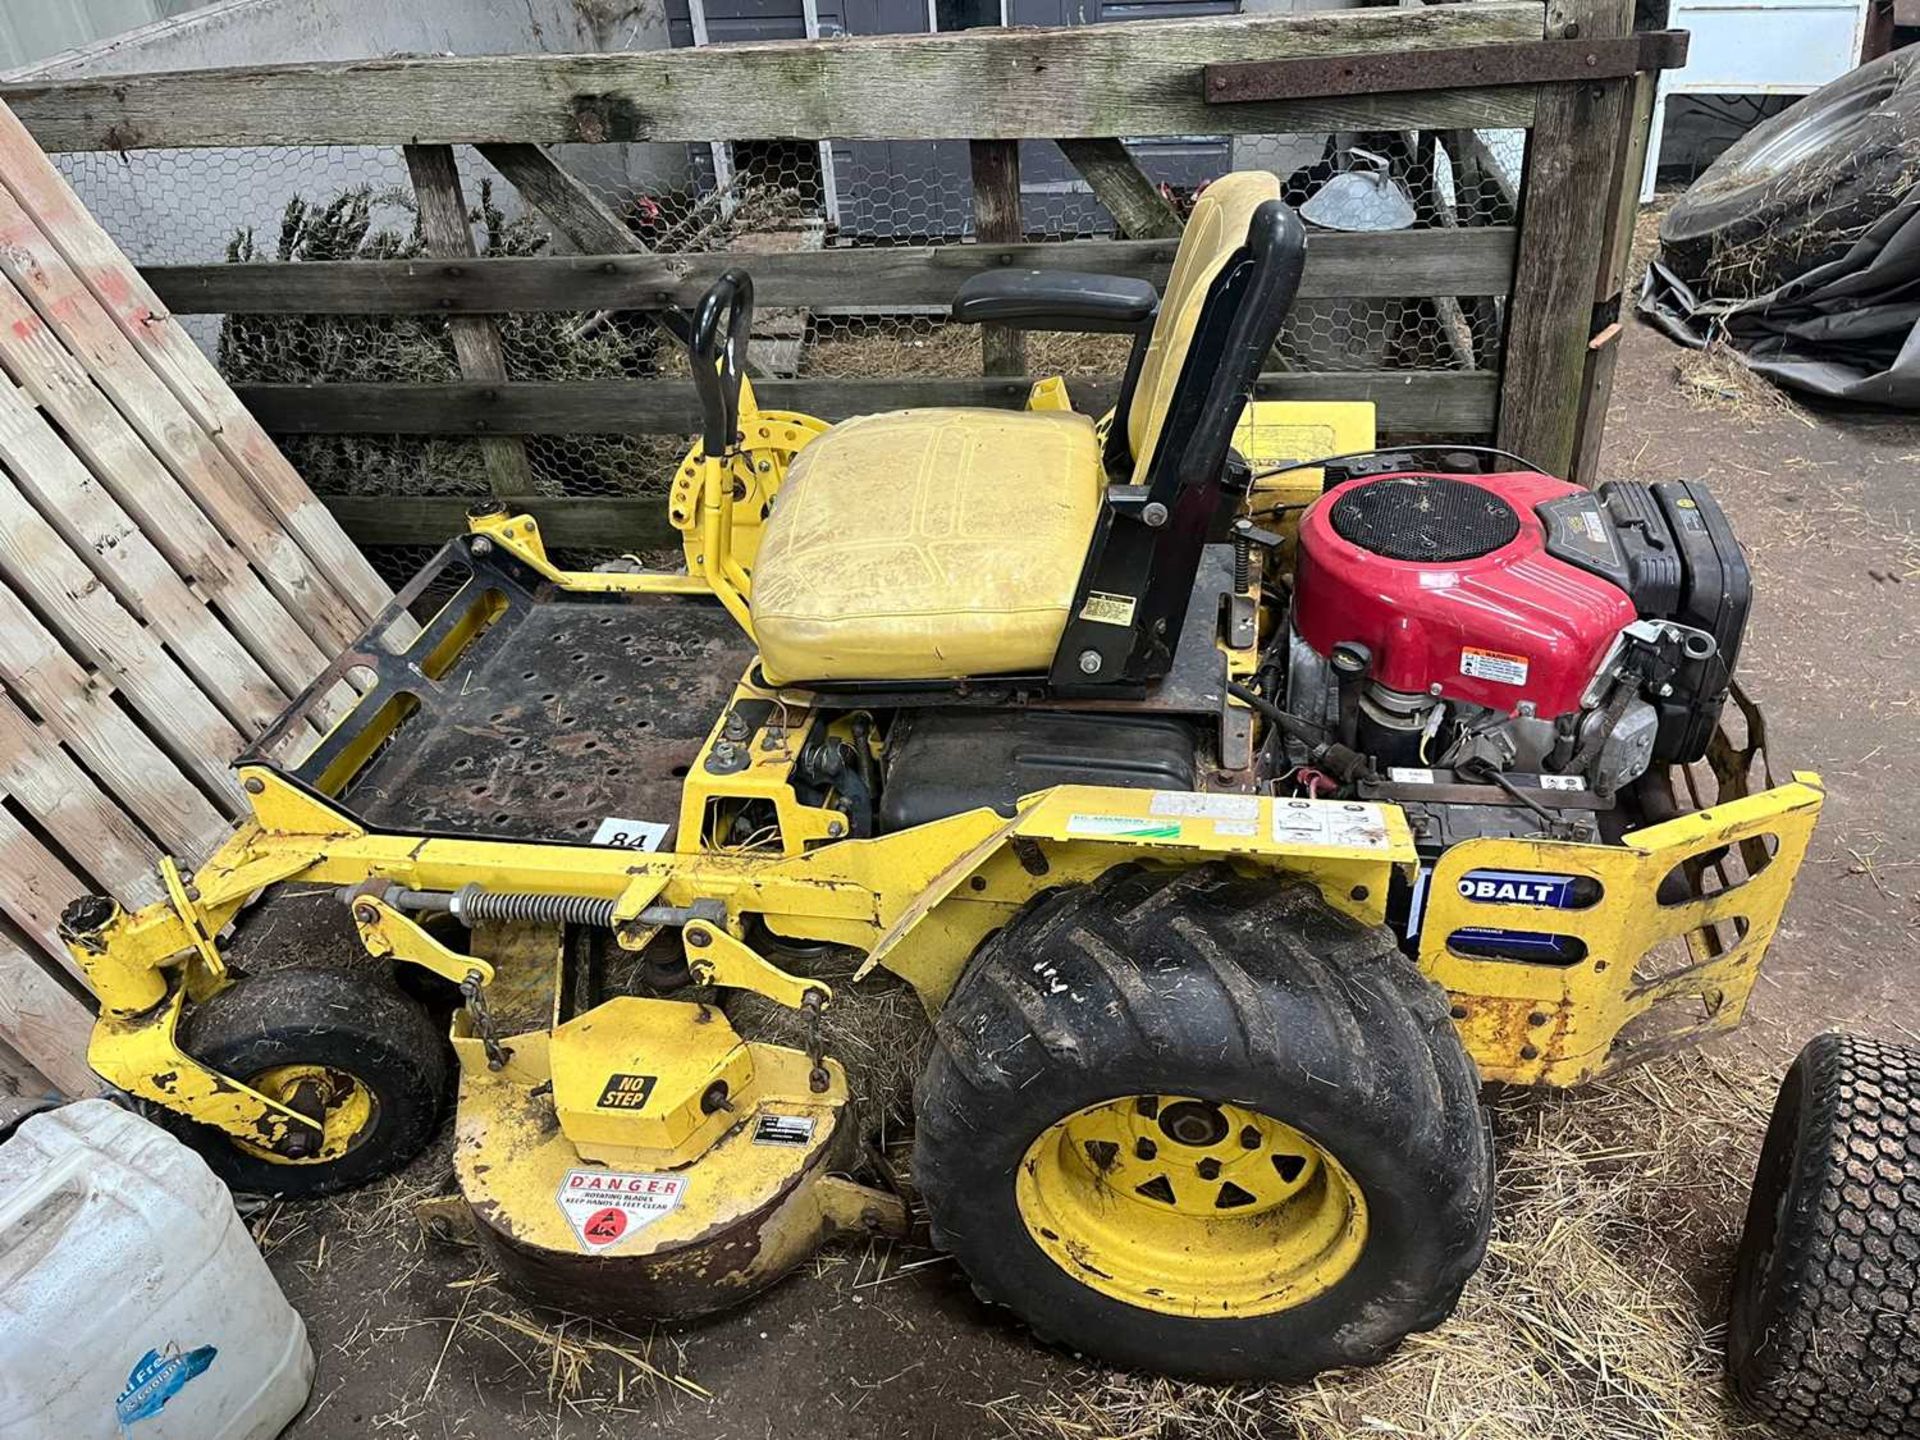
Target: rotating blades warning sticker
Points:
(605, 1206)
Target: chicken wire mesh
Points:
(302, 204)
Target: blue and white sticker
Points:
(1498, 887)
(157, 1378)
(1518, 887)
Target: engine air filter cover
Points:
(1429, 518)
(1447, 581)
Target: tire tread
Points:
(1832, 1344)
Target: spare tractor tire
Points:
(1205, 1125)
(1798, 190)
(1823, 1329)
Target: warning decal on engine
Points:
(1330, 822)
(1105, 609)
(1494, 665)
(604, 1207)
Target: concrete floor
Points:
(887, 1341)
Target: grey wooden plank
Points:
(448, 233)
(41, 1018)
(583, 217)
(1410, 402)
(37, 774)
(1623, 209)
(996, 221)
(1408, 264)
(1132, 78)
(617, 522)
(218, 452)
(1114, 176)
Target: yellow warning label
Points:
(1105, 609)
(1495, 665)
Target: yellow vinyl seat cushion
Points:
(927, 545)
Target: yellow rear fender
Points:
(1074, 833)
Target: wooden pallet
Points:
(167, 583)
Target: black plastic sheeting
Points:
(1849, 330)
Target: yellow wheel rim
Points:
(347, 1109)
(1191, 1208)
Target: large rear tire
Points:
(1823, 1332)
(1798, 190)
(1203, 1124)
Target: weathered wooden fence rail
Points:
(1133, 79)
(1404, 264)
(1082, 86)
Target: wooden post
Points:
(1610, 297)
(476, 341)
(1563, 217)
(1138, 208)
(996, 220)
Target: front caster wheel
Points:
(352, 1052)
(1203, 1124)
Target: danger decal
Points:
(604, 1207)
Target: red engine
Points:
(1446, 580)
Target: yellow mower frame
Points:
(940, 568)
(919, 901)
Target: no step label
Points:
(604, 1207)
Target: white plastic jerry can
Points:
(132, 1300)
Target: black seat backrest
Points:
(1147, 549)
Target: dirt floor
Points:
(1597, 1312)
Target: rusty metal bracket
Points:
(1527, 62)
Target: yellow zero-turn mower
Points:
(1234, 796)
